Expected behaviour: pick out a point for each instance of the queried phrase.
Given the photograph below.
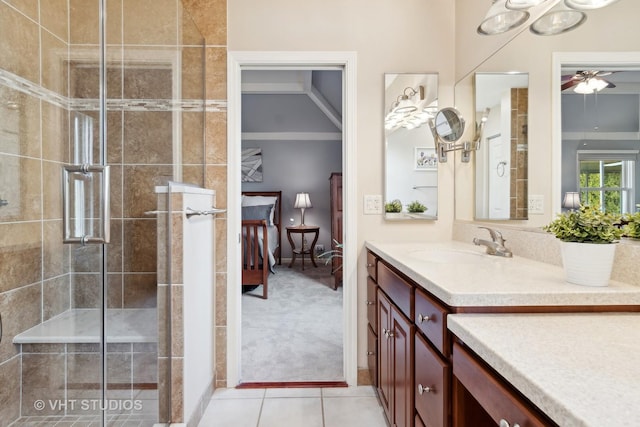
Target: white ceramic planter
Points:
(588, 264)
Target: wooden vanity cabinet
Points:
(483, 399)
(395, 370)
(431, 384)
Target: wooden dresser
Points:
(335, 184)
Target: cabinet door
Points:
(431, 384)
(385, 362)
(401, 337)
(372, 355)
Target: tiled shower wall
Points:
(519, 153)
(39, 276)
(210, 16)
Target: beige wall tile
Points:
(52, 194)
(115, 178)
(20, 117)
(147, 83)
(221, 299)
(20, 44)
(20, 311)
(139, 291)
(10, 390)
(28, 7)
(193, 72)
(216, 64)
(54, 17)
(85, 259)
(20, 255)
(148, 137)
(84, 15)
(56, 255)
(177, 321)
(177, 247)
(221, 355)
(55, 294)
(114, 250)
(211, 18)
(86, 290)
(42, 378)
(55, 133)
(114, 136)
(139, 188)
(221, 245)
(114, 290)
(139, 251)
(193, 174)
(177, 389)
(54, 56)
(216, 138)
(150, 22)
(192, 138)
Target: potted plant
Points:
(587, 235)
(394, 206)
(631, 225)
(416, 207)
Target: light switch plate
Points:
(373, 204)
(536, 204)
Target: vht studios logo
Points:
(88, 405)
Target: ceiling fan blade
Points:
(609, 85)
(571, 83)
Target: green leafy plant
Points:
(393, 206)
(329, 255)
(587, 224)
(416, 207)
(631, 227)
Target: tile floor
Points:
(294, 407)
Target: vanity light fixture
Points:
(409, 113)
(562, 15)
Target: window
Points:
(606, 180)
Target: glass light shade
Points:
(588, 4)
(571, 200)
(499, 19)
(583, 88)
(302, 201)
(523, 4)
(558, 21)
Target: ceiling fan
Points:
(587, 81)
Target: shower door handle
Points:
(85, 204)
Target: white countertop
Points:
(579, 369)
(478, 279)
(133, 325)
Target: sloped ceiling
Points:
(292, 105)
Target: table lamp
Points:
(302, 202)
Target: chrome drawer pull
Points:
(370, 353)
(505, 423)
(422, 389)
(370, 302)
(369, 265)
(426, 318)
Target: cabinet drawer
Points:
(372, 261)
(372, 302)
(492, 393)
(372, 355)
(431, 384)
(398, 290)
(431, 319)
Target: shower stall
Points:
(101, 103)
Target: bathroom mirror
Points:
(411, 162)
(501, 161)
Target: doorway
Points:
(237, 62)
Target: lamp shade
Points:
(302, 201)
(588, 4)
(571, 200)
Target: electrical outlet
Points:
(536, 204)
(373, 204)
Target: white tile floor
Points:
(294, 407)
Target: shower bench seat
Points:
(82, 326)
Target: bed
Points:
(261, 238)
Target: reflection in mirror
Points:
(501, 170)
(411, 164)
(600, 107)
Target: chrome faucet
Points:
(496, 246)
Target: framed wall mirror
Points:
(501, 161)
(411, 161)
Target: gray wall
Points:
(299, 166)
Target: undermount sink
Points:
(448, 256)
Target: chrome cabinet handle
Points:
(505, 423)
(387, 333)
(422, 389)
(370, 353)
(369, 302)
(426, 318)
(369, 265)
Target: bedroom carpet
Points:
(296, 334)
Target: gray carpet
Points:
(296, 334)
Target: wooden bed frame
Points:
(256, 274)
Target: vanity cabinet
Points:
(482, 399)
